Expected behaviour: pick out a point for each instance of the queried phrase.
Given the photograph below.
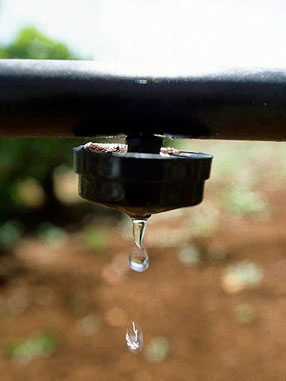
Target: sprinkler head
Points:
(138, 183)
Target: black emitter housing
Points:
(141, 184)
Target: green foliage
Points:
(30, 158)
(31, 43)
(10, 232)
(95, 239)
(25, 350)
(51, 234)
(243, 202)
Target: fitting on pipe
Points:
(140, 184)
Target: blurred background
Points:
(212, 303)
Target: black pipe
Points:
(79, 98)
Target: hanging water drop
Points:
(139, 226)
(139, 259)
(134, 338)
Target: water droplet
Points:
(139, 226)
(139, 259)
(134, 338)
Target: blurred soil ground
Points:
(65, 304)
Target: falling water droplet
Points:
(139, 259)
(134, 337)
(139, 226)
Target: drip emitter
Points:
(141, 178)
(123, 177)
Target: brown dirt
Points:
(55, 288)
